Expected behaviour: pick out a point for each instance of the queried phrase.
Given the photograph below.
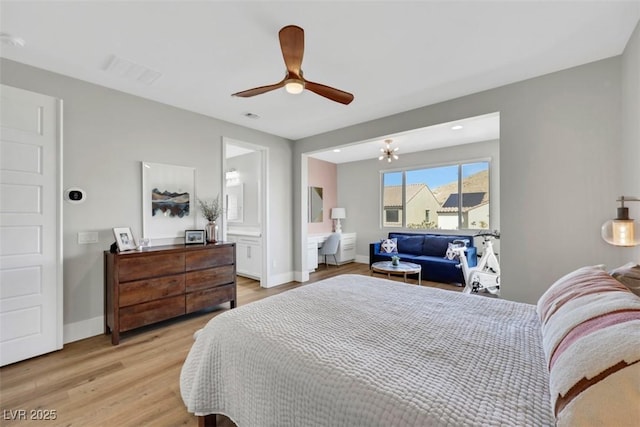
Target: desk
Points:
(346, 249)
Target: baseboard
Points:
(279, 279)
(362, 259)
(301, 276)
(83, 329)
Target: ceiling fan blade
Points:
(259, 90)
(329, 92)
(292, 46)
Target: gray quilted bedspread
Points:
(361, 351)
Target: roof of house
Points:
(393, 194)
(469, 201)
(476, 183)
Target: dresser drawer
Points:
(350, 240)
(151, 289)
(150, 312)
(209, 297)
(142, 267)
(210, 277)
(160, 283)
(210, 257)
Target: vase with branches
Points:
(211, 210)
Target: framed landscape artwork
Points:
(168, 197)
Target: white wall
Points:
(630, 138)
(559, 156)
(106, 136)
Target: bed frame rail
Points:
(207, 421)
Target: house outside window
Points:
(392, 212)
(451, 197)
(392, 216)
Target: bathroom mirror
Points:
(315, 204)
(235, 203)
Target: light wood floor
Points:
(92, 383)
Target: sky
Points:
(435, 177)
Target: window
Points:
(392, 215)
(448, 197)
(392, 199)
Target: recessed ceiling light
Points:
(456, 127)
(252, 115)
(9, 40)
(336, 150)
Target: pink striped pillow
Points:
(591, 339)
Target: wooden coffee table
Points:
(404, 268)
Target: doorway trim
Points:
(263, 200)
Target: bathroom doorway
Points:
(245, 212)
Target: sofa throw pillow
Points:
(590, 338)
(628, 275)
(389, 246)
(451, 254)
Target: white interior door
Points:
(30, 230)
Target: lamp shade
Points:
(338, 213)
(621, 232)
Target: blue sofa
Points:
(429, 251)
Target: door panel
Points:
(30, 254)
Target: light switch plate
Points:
(86, 237)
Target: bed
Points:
(361, 351)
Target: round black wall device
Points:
(75, 195)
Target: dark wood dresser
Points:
(163, 282)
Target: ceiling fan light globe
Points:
(294, 87)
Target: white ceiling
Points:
(465, 131)
(393, 56)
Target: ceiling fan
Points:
(292, 46)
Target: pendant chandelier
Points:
(388, 152)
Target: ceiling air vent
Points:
(131, 71)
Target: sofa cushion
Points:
(437, 245)
(410, 245)
(436, 260)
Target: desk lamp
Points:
(338, 214)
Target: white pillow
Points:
(451, 254)
(590, 325)
(628, 275)
(389, 246)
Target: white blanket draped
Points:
(361, 351)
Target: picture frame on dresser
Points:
(124, 239)
(194, 237)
